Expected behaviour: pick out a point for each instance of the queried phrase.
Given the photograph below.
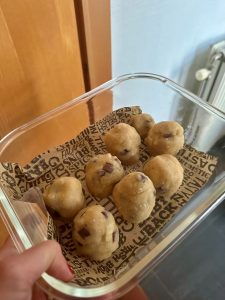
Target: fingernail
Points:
(70, 268)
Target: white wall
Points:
(168, 37)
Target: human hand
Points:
(19, 272)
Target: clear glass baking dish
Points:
(165, 100)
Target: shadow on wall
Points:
(199, 62)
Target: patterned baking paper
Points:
(70, 159)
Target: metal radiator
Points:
(212, 77)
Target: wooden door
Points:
(40, 65)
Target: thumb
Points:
(46, 256)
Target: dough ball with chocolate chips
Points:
(102, 173)
(166, 173)
(165, 138)
(95, 233)
(124, 142)
(65, 196)
(142, 123)
(134, 197)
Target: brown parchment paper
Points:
(70, 159)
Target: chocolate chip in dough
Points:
(108, 168)
(160, 190)
(101, 173)
(125, 151)
(105, 214)
(114, 236)
(143, 178)
(117, 159)
(167, 135)
(83, 232)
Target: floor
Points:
(196, 269)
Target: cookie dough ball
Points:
(65, 196)
(102, 173)
(166, 173)
(142, 123)
(134, 197)
(123, 141)
(165, 138)
(95, 233)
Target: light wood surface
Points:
(97, 24)
(40, 65)
(40, 68)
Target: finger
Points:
(8, 249)
(46, 256)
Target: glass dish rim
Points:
(9, 138)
